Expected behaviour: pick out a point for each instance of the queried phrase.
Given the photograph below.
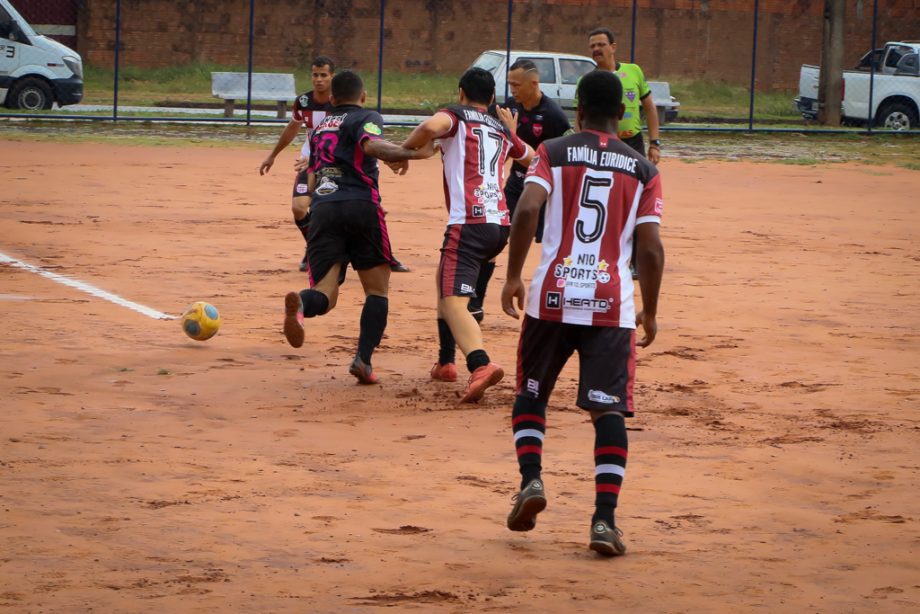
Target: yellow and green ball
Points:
(201, 321)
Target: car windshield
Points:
(489, 61)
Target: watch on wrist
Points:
(655, 142)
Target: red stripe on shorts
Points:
(448, 272)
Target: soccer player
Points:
(308, 111)
(347, 224)
(598, 193)
(539, 118)
(474, 148)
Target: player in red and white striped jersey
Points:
(475, 146)
(308, 111)
(598, 192)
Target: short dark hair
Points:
(324, 60)
(478, 85)
(347, 86)
(600, 95)
(525, 65)
(604, 31)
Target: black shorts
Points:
(301, 187)
(347, 231)
(636, 142)
(466, 248)
(512, 195)
(606, 362)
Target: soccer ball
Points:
(201, 321)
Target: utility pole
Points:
(830, 83)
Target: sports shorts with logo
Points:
(301, 187)
(346, 231)
(606, 362)
(466, 248)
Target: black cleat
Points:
(304, 264)
(527, 504)
(398, 267)
(606, 540)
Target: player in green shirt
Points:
(635, 93)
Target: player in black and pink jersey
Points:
(347, 223)
(598, 192)
(474, 148)
(308, 111)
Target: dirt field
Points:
(774, 462)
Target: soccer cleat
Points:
(398, 267)
(293, 319)
(304, 264)
(480, 379)
(606, 540)
(444, 373)
(527, 504)
(363, 372)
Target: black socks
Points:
(528, 423)
(610, 450)
(448, 350)
(373, 323)
(303, 225)
(476, 359)
(315, 303)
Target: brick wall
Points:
(698, 38)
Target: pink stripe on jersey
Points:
(359, 167)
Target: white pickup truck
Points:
(895, 93)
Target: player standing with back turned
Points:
(598, 193)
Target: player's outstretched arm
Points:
(650, 263)
(390, 152)
(523, 229)
(287, 136)
(426, 132)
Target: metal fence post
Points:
(632, 40)
(252, 18)
(508, 49)
(871, 116)
(753, 65)
(383, 10)
(117, 59)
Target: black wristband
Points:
(655, 142)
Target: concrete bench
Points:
(666, 105)
(232, 86)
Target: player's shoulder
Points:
(305, 100)
(554, 149)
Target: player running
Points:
(475, 146)
(308, 111)
(539, 118)
(598, 192)
(347, 224)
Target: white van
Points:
(559, 75)
(35, 71)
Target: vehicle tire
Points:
(30, 95)
(897, 116)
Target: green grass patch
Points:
(192, 83)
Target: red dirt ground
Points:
(773, 465)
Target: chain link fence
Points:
(712, 64)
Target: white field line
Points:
(85, 287)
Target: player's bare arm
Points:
(523, 228)
(650, 257)
(390, 152)
(651, 118)
(287, 137)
